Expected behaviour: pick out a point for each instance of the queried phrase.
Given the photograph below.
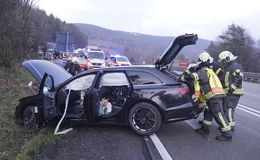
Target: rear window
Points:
(143, 78)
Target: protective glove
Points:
(230, 90)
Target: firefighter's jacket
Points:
(214, 66)
(232, 78)
(207, 84)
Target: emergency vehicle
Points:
(95, 57)
(83, 63)
(118, 60)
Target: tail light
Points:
(184, 90)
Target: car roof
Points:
(145, 68)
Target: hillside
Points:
(134, 45)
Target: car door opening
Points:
(114, 88)
(79, 85)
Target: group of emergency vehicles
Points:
(92, 57)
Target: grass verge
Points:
(15, 141)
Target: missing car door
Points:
(113, 91)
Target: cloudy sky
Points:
(207, 18)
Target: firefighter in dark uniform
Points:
(208, 89)
(212, 65)
(231, 80)
(72, 66)
(215, 66)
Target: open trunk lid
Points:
(174, 48)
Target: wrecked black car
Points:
(142, 97)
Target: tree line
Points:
(24, 27)
(237, 40)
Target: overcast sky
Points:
(207, 18)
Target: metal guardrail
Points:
(252, 77)
(248, 76)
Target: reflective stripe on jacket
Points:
(232, 78)
(207, 85)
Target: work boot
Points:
(203, 130)
(225, 136)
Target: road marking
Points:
(248, 111)
(160, 147)
(190, 124)
(251, 109)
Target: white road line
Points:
(160, 147)
(248, 111)
(190, 124)
(251, 109)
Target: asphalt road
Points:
(183, 143)
(97, 142)
(177, 139)
(252, 95)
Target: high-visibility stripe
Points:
(232, 123)
(222, 119)
(183, 79)
(233, 86)
(197, 89)
(213, 93)
(196, 76)
(226, 128)
(209, 123)
(218, 70)
(188, 71)
(226, 79)
(230, 115)
(236, 91)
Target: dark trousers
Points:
(229, 103)
(215, 110)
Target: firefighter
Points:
(232, 83)
(208, 89)
(212, 65)
(72, 66)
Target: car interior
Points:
(78, 89)
(115, 88)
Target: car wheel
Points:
(144, 118)
(29, 119)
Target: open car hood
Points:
(38, 68)
(174, 48)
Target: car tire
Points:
(30, 120)
(144, 118)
